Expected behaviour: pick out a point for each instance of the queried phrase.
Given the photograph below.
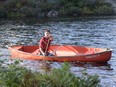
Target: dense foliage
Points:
(40, 8)
(85, 7)
(12, 75)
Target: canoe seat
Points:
(64, 53)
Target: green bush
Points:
(3, 12)
(32, 3)
(45, 7)
(62, 11)
(10, 5)
(71, 7)
(40, 8)
(86, 11)
(81, 3)
(13, 75)
(28, 11)
(103, 10)
(15, 15)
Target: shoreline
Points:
(56, 19)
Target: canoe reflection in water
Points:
(89, 65)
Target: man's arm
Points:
(51, 38)
(41, 46)
(41, 50)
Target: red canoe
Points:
(63, 53)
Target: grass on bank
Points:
(12, 75)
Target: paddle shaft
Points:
(47, 46)
(56, 49)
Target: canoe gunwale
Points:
(12, 48)
(22, 52)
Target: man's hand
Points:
(44, 54)
(50, 37)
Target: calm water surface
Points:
(94, 32)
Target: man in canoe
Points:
(44, 43)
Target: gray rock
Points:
(52, 13)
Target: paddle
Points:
(56, 49)
(47, 46)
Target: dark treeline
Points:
(53, 8)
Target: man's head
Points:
(47, 33)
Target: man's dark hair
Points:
(46, 30)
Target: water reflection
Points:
(102, 65)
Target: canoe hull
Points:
(17, 52)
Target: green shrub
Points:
(10, 5)
(3, 12)
(40, 8)
(45, 7)
(62, 11)
(86, 10)
(103, 10)
(69, 9)
(18, 5)
(15, 15)
(81, 3)
(13, 75)
(28, 11)
(32, 3)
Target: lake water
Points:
(93, 32)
